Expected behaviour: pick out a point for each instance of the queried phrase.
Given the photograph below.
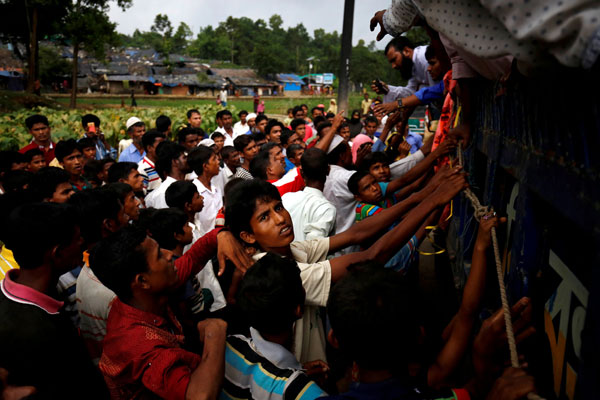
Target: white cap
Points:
(250, 116)
(132, 121)
(206, 142)
(337, 139)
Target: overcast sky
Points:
(314, 14)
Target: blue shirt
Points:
(430, 93)
(131, 154)
(288, 165)
(415, 140)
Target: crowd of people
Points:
(267, 259)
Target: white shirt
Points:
(225, 175)
(312, 214)
(228, 137)
(156, 199)
(315, 272)
(213, 201)
(401, 167)
(420, 78)
(240, 129)
(337, 192)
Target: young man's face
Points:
(135, 180)
(195, 120)
(40, 132)
(275, 154)
(300, 130)
(219, 143)
(197, 203)
(161, 275)
(37, 162)
(250, 151)
(62, 193)
(380, 171)
(276, 169)
(104, 174)
(89, 153)
(435, 69)
(295, 139)
(182, 164)
(370, 129)
(262, 125)
(271, 226)
(275, 134)
(187, 236)
(136, 133)
(394, 57)
(227, 121)
(233, 161)
(345, 133)
(132, 206)
(69, 256)
(212, 166)
(299, 114)
(243, 118)
(73, 163)
(297, 157)
(191, 141)
(151, 150)
(366, 96)
(369, 191)
(316, 112)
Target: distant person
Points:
(71, 160)
(241, 127)
(133, 102)
(223, 97)
(163, 125)
(227, 126)
(135, 151)
(39, 128)
(91, 129)
(195, 121)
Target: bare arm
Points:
(205, 381)
(325, 141)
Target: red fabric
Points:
(285, 185)
(446, 119)
(142, 352)
(193, 260)
(48, 153)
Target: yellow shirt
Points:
(7, 262)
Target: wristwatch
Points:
(400, 103)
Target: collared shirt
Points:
(420, 78)
(41, 346)
(147, 169)
(224, 176)
(401, 167)
(48, 152)
(258, 369)
(213, 201)
(7, 262)
(337, 192)
(243, 173)
(312, 214)
(315, 272)
(102, 152)
(156, 199)
(240, 129)
(228, 137)
(415, 140)
(132, 154)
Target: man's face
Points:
(161, 275)
(345, 133)
(250, 151)
(366, 96)
(137, 132)
(394, 57)
(370, 129)
(300, 130)
(275, 134)
(297, 157)
(262, 125)
(299, 114)
(251, 123)
(276, 170)
(89, 153)
(132, 206)
(188, 235)
(243, 118)
(305, 110)
(219, 143)
(316, 112)
(195, 120)
(37, 162)
(369, 191)
(227, 121)
(271, 226)
(435, 69)
(212, 166)
(275, 154)
(62, 193)
(104, 174)
(295, 139)
(191, 141)
(135, 180)
(233, 161)
(19, 166)
(197, 203)
(151, 150)
(69, 256)
(40, 132)
(73, 163)
(182, 164)
(380, 171)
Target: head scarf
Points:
(358, 141)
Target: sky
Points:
(314, 14)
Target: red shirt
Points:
(48, 152)
(290, 182)
(143, 351)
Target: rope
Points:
(479, 211)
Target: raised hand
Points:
(449, 188)
(484, 236)
(230, 249)
(404, 149)
(378, 20)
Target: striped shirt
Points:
(148, 171)
(243, 173)
(251, 375)
(7, 262)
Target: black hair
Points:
(231, 184)
(241, 142)
(260, 118)
(296, 109)
(269, 294)
(16, 180)
(166, 152)
(333, 157)
(91, 169)
(241, 203)
(121, 170)
(314, 164)
(36, 119)
(321, 126)
(430, 53)
(179, 193)
(8, 158)
(268, 146)
(373, 318)
(44, 182)
(150, 137)
(319, 119)
(242, 113)
(85, 143)
(87, 118)
(272, 123)
(372, 158)
(166, 222)
(227, 150)
(355, 179)
(399, 43)
(329, 115)
(93, 206)
(225, 112)
(31, 230)
(293, 149)
(29, 154)
(185, 132)
(198, 157)
(258, 136)
(117, 259)
(286, 134)
(371, 118)
(192, 111)
(162, 124)
(65, 148)
(312, 110)
(259, 164)
(120, 189)
(216, 134)
(296, 123)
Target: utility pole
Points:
(344, 88)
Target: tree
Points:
(163, 27)
(52, 65)
(180, 38)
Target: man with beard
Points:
(412, 64)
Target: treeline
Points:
(267, 47)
